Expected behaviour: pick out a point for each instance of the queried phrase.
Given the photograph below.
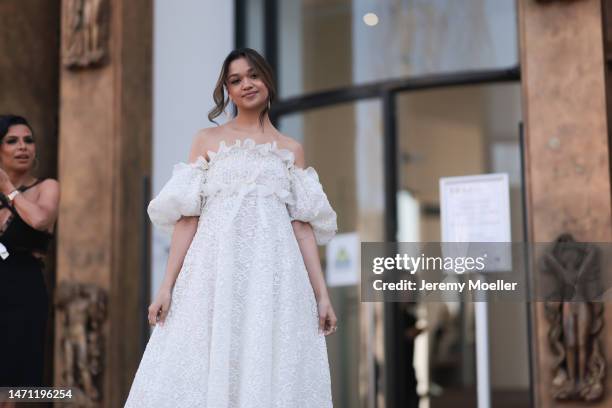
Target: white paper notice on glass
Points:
(342, 254)
(477, 209)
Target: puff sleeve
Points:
(309, 203)
(180, 196)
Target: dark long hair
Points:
(6, 121)
(259, 65)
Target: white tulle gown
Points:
(242, 330)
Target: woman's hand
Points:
(160, 306)
(328, 323)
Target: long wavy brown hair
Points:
(259, 65)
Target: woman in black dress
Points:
(28, 210)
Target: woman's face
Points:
(17, 150)
(245, 87)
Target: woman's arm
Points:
(183, 234)
(184, 231)
(42, 214)
(308, 247)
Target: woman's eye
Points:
(11, 141)
(29, 140)
(234, 82)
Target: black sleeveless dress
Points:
(24, 302)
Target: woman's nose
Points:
(246, 83)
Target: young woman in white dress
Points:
(243, 310)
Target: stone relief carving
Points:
(81, 312)
(85, 40)
(576, 322)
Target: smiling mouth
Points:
(22, 157)
(249, 94)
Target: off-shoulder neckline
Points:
(247, 143)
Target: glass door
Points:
(459, 131)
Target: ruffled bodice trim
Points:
(224, 150)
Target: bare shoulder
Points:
(49, 185)
(204, 136)
(49, 191)
(203, 141)
(295, 147)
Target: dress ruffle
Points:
(181, 195)
(188, 190)
(309, 203)
(263, 148)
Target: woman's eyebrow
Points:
(237, 74)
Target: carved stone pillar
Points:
(567, 150)
(104, 156)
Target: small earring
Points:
(269, 104)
